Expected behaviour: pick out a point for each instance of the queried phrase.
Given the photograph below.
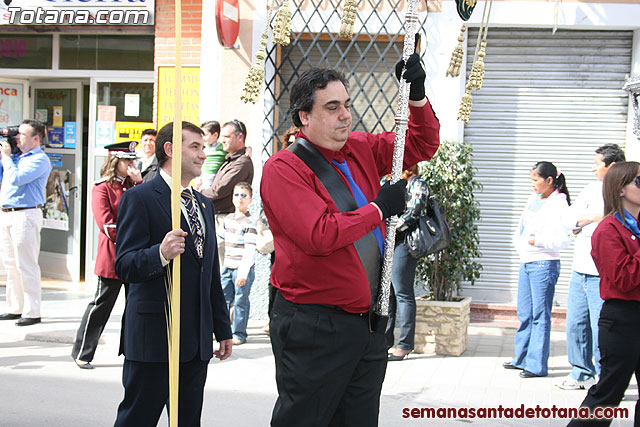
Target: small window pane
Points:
(106, 52)
(25, 50)
(115, 94)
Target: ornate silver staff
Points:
(402, 118)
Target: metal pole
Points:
(402, 118)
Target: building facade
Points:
(552, 91)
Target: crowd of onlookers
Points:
(604, 297)
(603, 311)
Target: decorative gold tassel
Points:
(255, 78)
(465, 105)
(282, 25)
(348, 18)
(456, 56)
(477, 71)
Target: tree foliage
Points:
(450, 175)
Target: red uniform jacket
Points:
(616, 252)
(105, 198)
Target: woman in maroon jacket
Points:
(118, 173)
(616, 252)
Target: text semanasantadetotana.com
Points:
(518, 412)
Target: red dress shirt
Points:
(616, 252)
(315, 259)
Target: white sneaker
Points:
(569, 383)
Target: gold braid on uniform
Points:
(456, 56)
(255, 78)
(348, 18)
(282, 25)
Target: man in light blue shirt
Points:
(23, 178)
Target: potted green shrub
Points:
(442, 315)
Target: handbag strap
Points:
(367, 246)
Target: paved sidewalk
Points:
(35, 363)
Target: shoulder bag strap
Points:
(367, 246)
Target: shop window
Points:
(132, 104)
(26, 50)
(106, 52)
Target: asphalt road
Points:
(40, 386)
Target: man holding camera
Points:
(24, 177)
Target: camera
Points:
(10, 134)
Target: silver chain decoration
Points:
(402, 119)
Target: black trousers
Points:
(272, 289)
(619, 342)
(272, 297)
(146, 393)
(329, 366)
(95, 318)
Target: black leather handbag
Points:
(431, 233)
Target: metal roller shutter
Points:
(554, 97)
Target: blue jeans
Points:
(403, 297)
(536, 286)
(239, 295)
(583, 312)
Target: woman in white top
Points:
(538, 239)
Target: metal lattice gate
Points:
(368, 60)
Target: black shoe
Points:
(527, 374)
(9, 316)
(83, 365)
(509, 365)
(393, 358)
(26, 321)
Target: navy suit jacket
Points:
(144, 218)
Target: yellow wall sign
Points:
(131, 131)
(190, 94)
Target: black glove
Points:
(415, 75)
(391, 198)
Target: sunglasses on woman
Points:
(636, 181)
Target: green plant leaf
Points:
(450, 175)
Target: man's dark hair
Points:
(166, 135)
(37, 126)
(611, 153)
(151, 132)
(303, 92)
(238, 126)
(211, 126)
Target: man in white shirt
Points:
(584, 302)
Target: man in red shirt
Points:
(330, 352)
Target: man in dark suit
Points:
(145, 245)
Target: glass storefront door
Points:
(60, 106)
(119, 110)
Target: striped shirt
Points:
(239, 236)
